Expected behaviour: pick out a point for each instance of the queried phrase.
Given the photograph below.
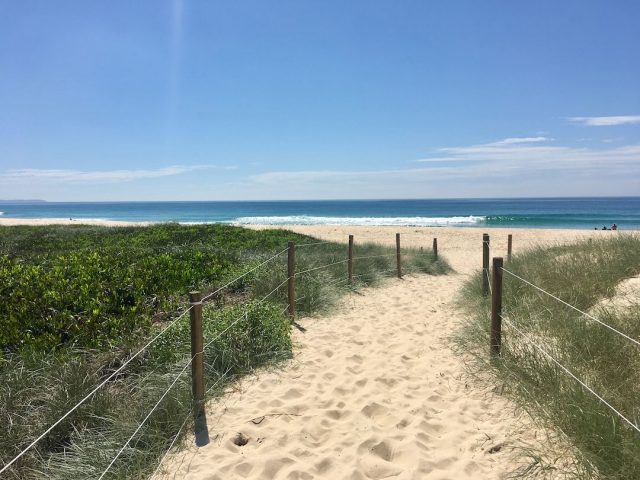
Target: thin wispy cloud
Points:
(98, 176)
(509, 162)
(606, 121)
(492, 150)
(519, 140)
(534, 156)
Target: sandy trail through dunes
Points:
(374, 391)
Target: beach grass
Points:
(38, 385)
(585, 275)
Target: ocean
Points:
(579, 213)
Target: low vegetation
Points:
(76, 302)
(88, 288)
(585, 275)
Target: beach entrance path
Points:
(373, 391)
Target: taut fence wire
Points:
(585, 314)
(92, 392)
(571, 374)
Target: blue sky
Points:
(200, 100)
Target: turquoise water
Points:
(548, 213)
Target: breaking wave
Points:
(376, 221)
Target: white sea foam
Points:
(1, 213)
(377, 221)
(211, 222)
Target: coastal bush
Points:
(88, 287)
(585, 275)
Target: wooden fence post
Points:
(509, 246)
(197, 355)
(485, 264)
(496, 308)
(435, 248)
(398, 255)
(350, 263)
(291, 272)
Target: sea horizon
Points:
(540, 212)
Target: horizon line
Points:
(37, 201)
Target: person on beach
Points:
(614, 227)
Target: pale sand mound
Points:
(374, 391)
(627, 296)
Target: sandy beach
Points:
(13, 222)
(374, 391)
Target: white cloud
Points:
(531, 157)
(518, 140)
(518, 168)
(503, 147)
(509, 167)
(606, 121)
(99, 176)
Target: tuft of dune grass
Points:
(582, 274)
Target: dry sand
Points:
(374, 391)
(12, 222)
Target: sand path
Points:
(374, 391)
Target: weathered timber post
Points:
(291, 283)
(496, 308)
(435, 248)
(350, 262)
(398, 262)
(485, 264)
(197, 354)
(509, 246)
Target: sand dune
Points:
(374, 391)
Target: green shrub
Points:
(89, 287)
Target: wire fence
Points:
(340, 282)
(322, 267)
(582, 313)
(93, 392)
(568, 372)
(208, 296)
(496, 310)
(134, 356)
(486, 273)
(144, 420)
(375, 256)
